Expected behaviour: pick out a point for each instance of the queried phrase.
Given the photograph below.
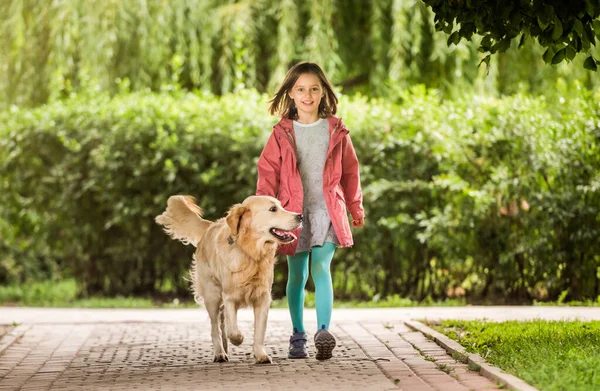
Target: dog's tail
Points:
(182, 220)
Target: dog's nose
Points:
(299, 217)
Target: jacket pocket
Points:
(341, 214)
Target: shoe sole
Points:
(325, 343)
(297, 357)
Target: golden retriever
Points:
(233, 263)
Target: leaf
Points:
(454, 38)
(486, 42)
(515, 18)
(559, 57)
(557, 31)
(596, 27)
(522, 40)
(485, 60)
(545, 17)
(466, 30)
(570, 52)
(590, 33)
(448, 27)
(578, 26)
(503, 45)
(590, 63)
(480, 25)
(585, 42)
(535, 30)
(589, 8)
(548, 55)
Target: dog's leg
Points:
(233, 332)
(261, 313)
(222, 326)
(212, 301)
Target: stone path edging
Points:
(458, 352)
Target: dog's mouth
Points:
(283, 235)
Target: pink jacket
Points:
(278, 176)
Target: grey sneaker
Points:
(325, 343)
(298, 345)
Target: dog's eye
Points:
(273, 209)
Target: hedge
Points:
(492, 198)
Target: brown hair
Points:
(282, 104)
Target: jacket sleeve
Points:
(269, 167)
(351, 180)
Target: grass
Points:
(63, 293)
(572, 303)
(388, 302)
(445, 367)
(550, 355)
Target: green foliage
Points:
(63, 293)
(39, 293)
(200, 44)
(494, 190)
(483, 198)
(550, 355)
(564, 28)
(82, 181)
(52, 49)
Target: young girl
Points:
(310, 165)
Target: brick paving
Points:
(370, 355)
(74, 349)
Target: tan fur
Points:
(182, 220)
(230, 276)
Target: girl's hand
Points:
(358, 223)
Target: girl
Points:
(310, 165)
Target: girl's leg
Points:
(320, 270)
(297, 277)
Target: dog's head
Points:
(263, 220)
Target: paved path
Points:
(170, 350)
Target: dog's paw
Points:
(236, 339)
(222, 357)
(263, 359)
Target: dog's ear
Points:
(234, 218)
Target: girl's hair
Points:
(282, 104)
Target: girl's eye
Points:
(300, 89)
(273, 209)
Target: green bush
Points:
(83, 180)
(490, 198)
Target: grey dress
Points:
(312, 143)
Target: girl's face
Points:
(307, 93)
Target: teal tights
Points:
(321, 275)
